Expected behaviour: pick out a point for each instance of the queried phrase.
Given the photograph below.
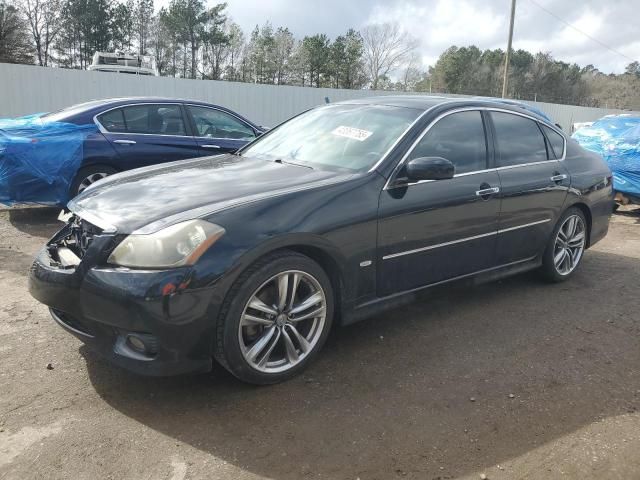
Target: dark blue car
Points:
(53, 157)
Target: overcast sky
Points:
(484, 23)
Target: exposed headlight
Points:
(174, 246)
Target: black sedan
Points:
(251, 258)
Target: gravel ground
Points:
(515, 379)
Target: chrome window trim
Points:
(104, 130)
(387, 185)
(466, 239)
(255, 133)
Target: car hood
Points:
(148, 199)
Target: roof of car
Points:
(154, 100)
(425, 102)
(421, 102)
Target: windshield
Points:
(340, 137)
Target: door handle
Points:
(210, 146)
(125, 142)
(487, 191)
(558, 178)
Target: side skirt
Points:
(378, 305)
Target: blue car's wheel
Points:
(87, 176)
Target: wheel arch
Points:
(97, 162)
(330, 265)
(314, 246)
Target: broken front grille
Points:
(70, 245)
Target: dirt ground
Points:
(516, 379)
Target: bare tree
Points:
(386, 46)
(412, 73)
(44, 22)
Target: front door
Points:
(433, 231)
(217, 131)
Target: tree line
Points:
(190, 40)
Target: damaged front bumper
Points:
(137, 319)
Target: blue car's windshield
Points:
(343, 137)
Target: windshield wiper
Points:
(279, 160)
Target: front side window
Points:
(214, 123)
(556, 142)
(519, 140)
(154, 119)
(349, 137)
(459, 138)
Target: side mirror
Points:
(429, 168)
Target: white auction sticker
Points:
(352, 133)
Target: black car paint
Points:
(346, 222)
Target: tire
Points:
(555, 266)
(272, 343)
(87, 176)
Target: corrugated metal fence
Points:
(26, 89)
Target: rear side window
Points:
(113, 121)
(459, 138)
(150, 119)
(519, 140)
(154, 119)
(556, 142)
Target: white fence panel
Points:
(26, 89)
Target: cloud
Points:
(438, 24)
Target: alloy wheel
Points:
(90, 179)
(282, 322)
(569, 245)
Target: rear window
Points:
(113, 121)
(519, 140)
(556, 142)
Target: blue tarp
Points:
(39, 159)
(617, 139)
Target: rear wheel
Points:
(275, 319)
(566, 246)
(87, 176)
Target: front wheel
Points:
(275, 319)
(566, 246)
(87, 176)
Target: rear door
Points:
(147, 134)
(534, 185)
(217, 131)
